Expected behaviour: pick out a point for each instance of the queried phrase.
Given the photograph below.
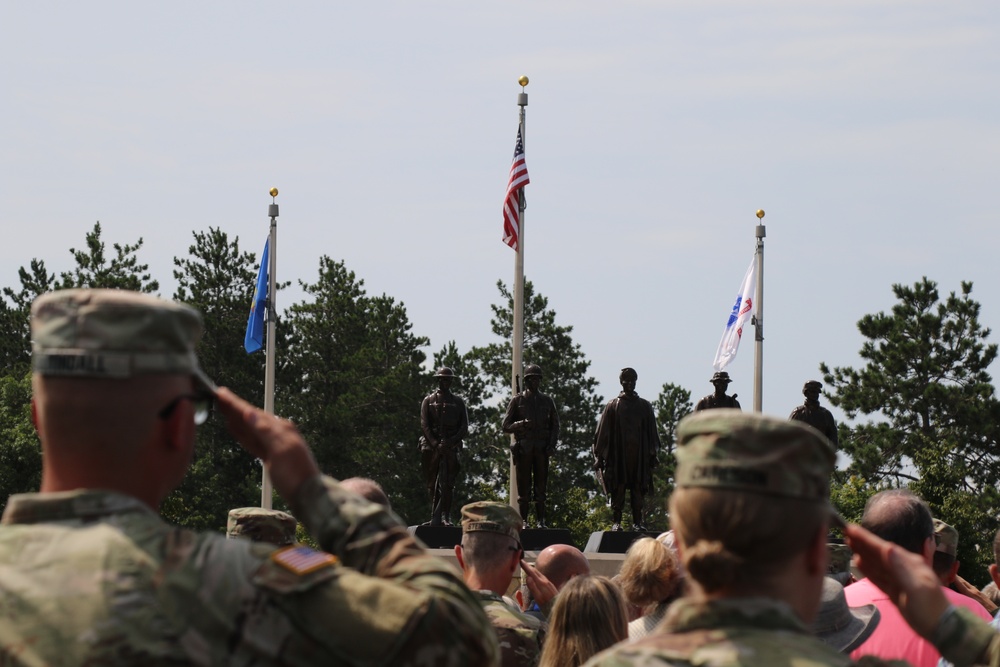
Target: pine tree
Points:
(936, 418)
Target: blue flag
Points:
(254, 339)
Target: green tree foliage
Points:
(672, 405)
(93, 269)
(353, 384)
(936, 418)
(218, 279)
(20, 451)
(20, 456)
(573, 495)
(15, 346)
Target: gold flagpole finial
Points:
(523, 80)
(760, 214)
(273, 192)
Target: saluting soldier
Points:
(91, 575)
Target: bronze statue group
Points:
(625, 446)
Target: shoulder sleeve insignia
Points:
(303, 560)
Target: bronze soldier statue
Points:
(719, 399)
(812, 413)
(444, 422)
(532, 418)
(625, 449)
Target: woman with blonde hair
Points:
(650, 579)
(588, 616)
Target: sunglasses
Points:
(202, 403)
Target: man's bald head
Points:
(561, 562)
(368, 489)
(901, 517)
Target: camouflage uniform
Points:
(95, 577)
(261, 525)
(752, 454)
(521, 636)
(744, 632)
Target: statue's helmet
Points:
(721, 376)
(812, 385)
(445, 372)
(533, 370)
(628, 373)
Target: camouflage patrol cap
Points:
(104, 333)
(813, 385)
(261, 525)
(491, 517)
(729, 449)
(945, 538)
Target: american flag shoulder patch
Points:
(303, 560)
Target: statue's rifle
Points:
(442, 473)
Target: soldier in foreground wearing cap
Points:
(625, 450)
(532, 418)
(258, 524)
(489, 555)
(751, 510)
(718, 399)
(444, 422)
(814, 414)
(90, 574)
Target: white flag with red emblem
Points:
(743, 311)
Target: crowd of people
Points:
(90, 574)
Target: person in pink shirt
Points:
(901, 517)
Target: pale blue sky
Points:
(869, 132)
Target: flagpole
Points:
(758, 320)
(272, 210)
(517, 344)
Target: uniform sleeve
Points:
(510, 416)
(965, 639)
(368, 538)
(425, 422)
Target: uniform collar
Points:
(687, 614)
(78, 504)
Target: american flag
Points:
(518, 179)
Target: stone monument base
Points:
(614, 542)
(532, 539)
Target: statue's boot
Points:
(522, 509)
(617, 525)
(540, 515)
(638, 524)
(436, 519)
